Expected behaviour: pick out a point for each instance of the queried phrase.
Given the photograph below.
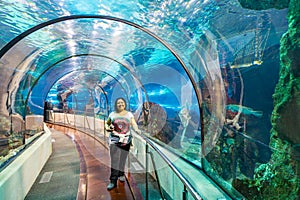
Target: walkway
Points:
(83, 172)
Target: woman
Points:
(119, 124)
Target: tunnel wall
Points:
(18, 177)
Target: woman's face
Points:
(120, 105)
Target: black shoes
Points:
(111, 185)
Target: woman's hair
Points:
(116, 108)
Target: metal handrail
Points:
(187, 186)
(155, 171)
(185, 182)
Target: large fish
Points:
(244, 110)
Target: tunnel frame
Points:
(13, 42)
(87, 55)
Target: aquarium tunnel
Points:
(214, 83)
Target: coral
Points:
(287, 94)
(278, 176)
(275, 179)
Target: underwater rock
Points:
(280, 176)
(264, 4)
(286, 114)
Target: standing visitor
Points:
(119, 124)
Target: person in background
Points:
(119, 124)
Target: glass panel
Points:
(240, 156)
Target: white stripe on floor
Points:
(46, 177)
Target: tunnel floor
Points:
(76, 170)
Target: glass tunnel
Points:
(202, 78)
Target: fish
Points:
(244, 65)
(244, 110)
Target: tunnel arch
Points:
(29, 96)
(88, 55)
(9, 45)
(189, 74)
(77, 70)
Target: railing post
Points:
(157, 177)
(186, 183)
(104, 130)
(147, 186)
(84, 121)
(74, 118)
(184, 193)
(94, 124)
(202, 148)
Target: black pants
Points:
(118, 156)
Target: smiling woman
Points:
(119, 123)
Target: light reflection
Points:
(118, 30)
(71, 43)
(102, 25)
(70, 33)
(73, 50)
(158, 92)
(72, 46)
(190, 3)
(32, 5)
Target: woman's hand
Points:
(110, 127)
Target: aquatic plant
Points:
(277, 178)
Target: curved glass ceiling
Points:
(135, 57)
(139, 43)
